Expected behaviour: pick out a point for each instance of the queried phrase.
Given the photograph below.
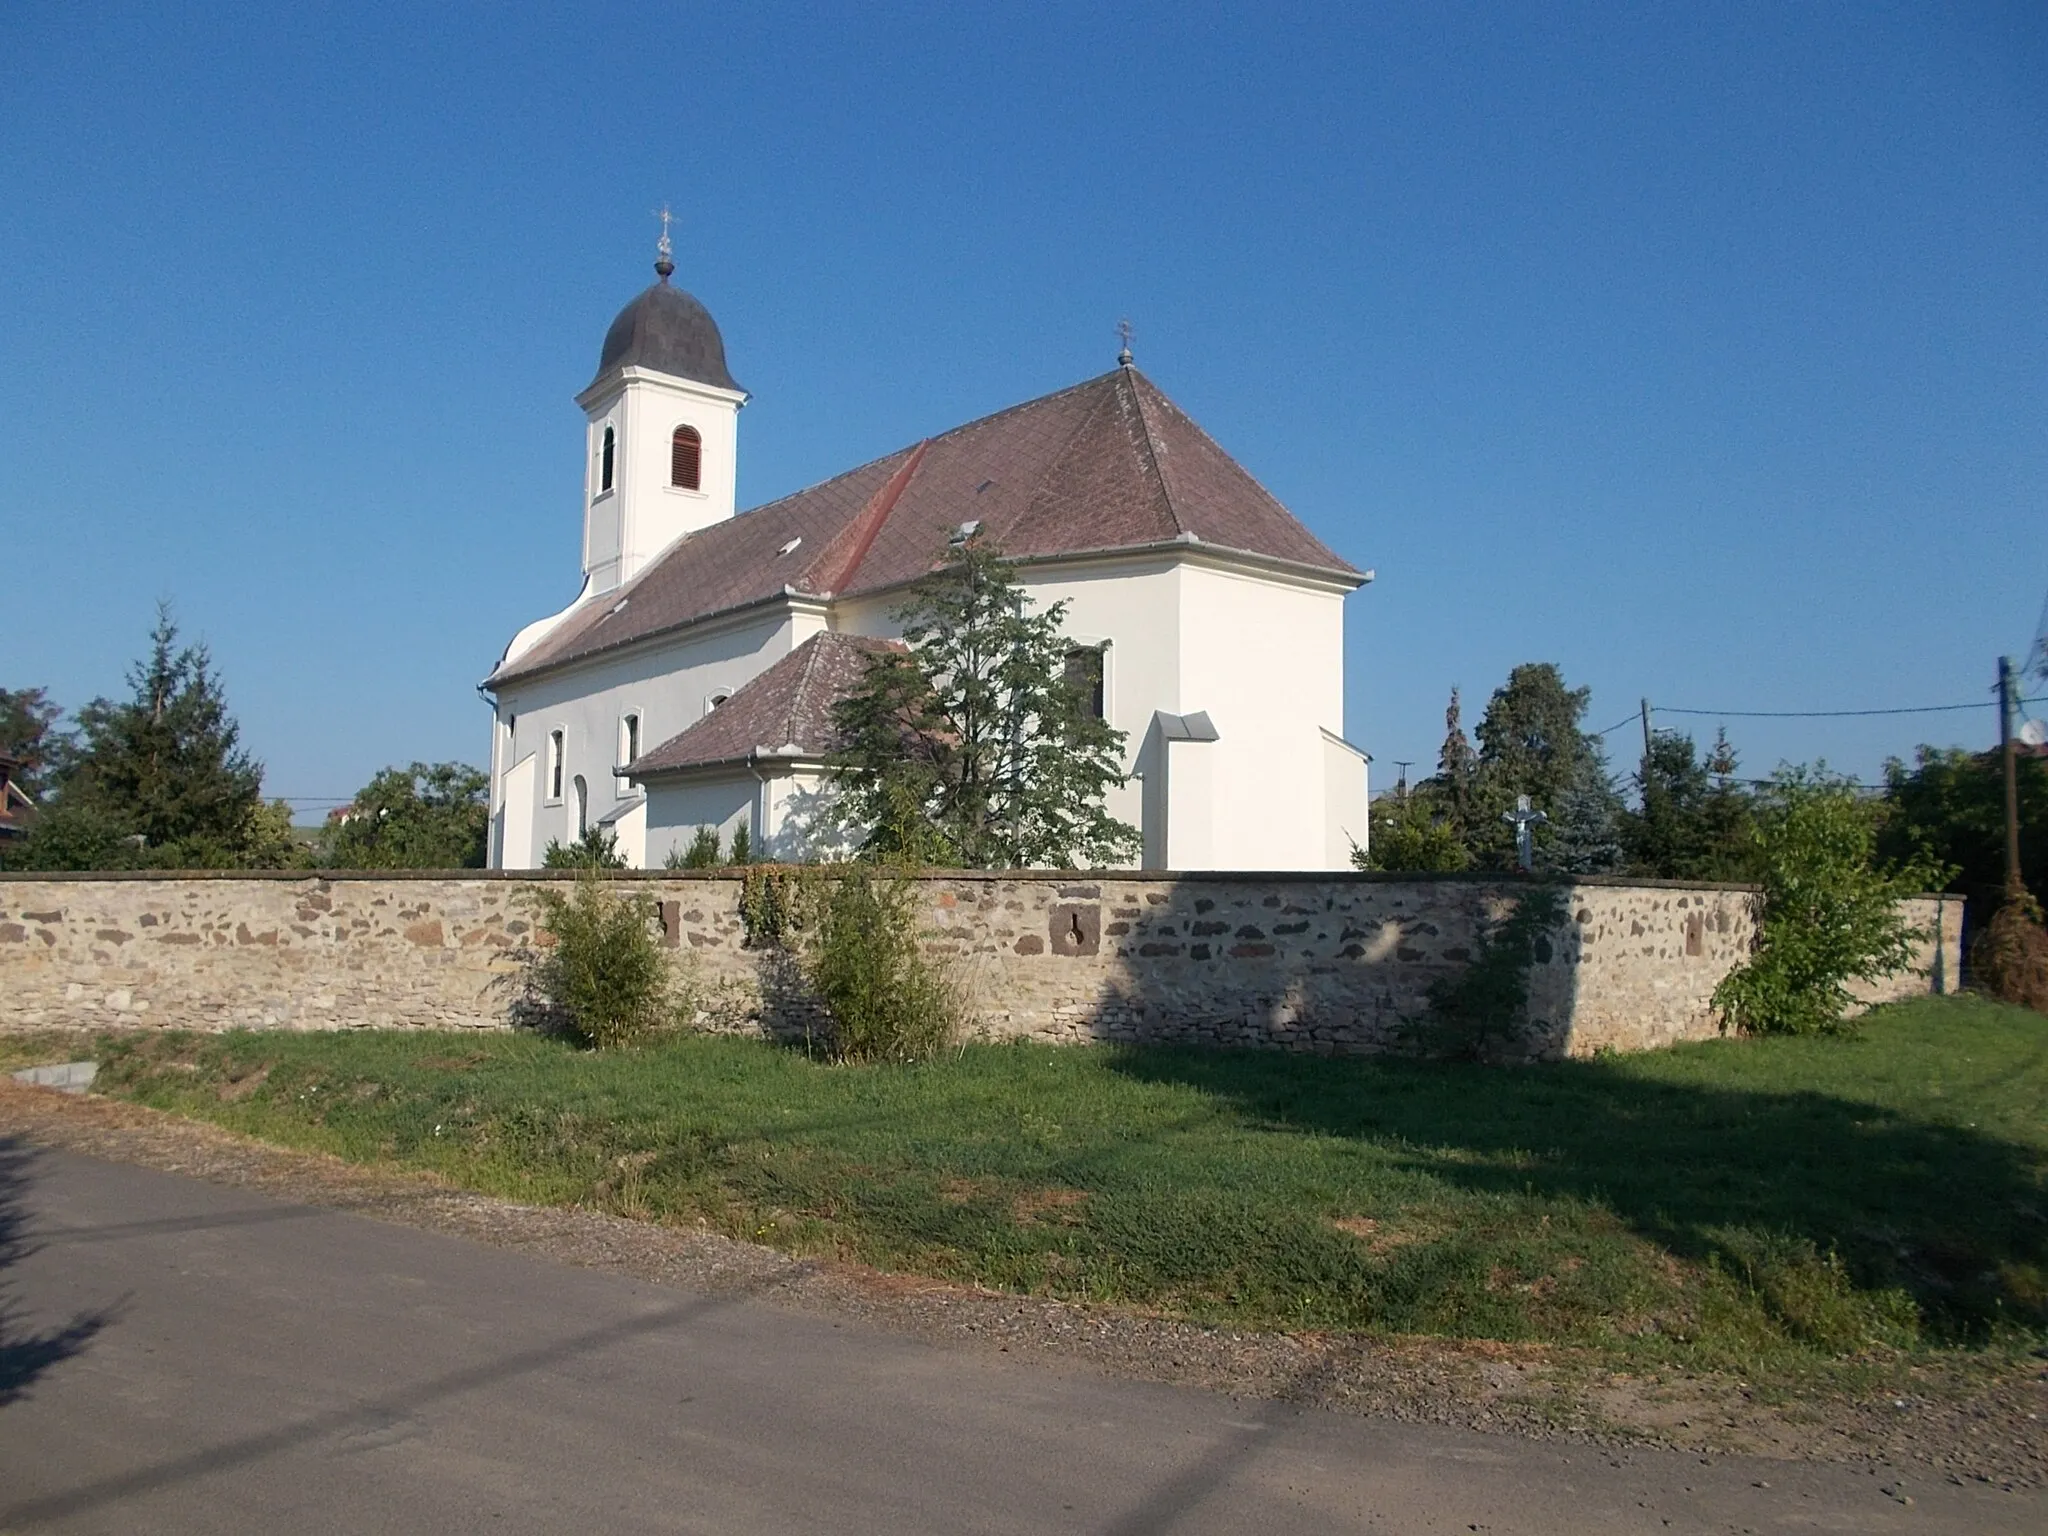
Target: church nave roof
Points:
(1105, 465)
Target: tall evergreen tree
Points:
(162, 771)
(1457, 767)
(1692, 821)
(1530, 744)
(1584, 829)
(979, 748)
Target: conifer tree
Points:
(1584, 835)
(1530, 743)
(160, 778)
(1693, 819)
(976, 748)
(1456, 771)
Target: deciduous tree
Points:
(426, 816)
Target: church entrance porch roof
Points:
(786, 712)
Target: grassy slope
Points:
(1761, 1206)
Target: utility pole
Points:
(1401, 785)
(2009, 749)
(1646, 734)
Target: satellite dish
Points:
(2034, 732)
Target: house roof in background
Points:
(786, 711)
(1105, 465)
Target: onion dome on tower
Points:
(667, 330)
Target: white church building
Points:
(691, 682)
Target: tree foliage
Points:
(427, 816)
(1456, 785)
(1692, 821)
(1413, 832)
(1829, 908)
(973, 749)
(1529, 739)
(159, 779)
(1950, 807)
(1584, 828)
(29, 735)
(1530, 743)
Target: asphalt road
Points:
(278, 1368)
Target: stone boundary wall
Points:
(1330, 963)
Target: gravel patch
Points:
(1963, 1423)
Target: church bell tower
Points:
(663, 431)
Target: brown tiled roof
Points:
(789, 705)
(1105, 465)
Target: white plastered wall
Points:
(1264, 659)
(669, 685)
(676, 808)
(791, 813)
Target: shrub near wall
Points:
(1328, 962)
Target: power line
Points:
(1816, 714)
(1809, 714)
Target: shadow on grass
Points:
(26, 1356)
(1952, 1218)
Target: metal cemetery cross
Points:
(1526, 822)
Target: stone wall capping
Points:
(1066, 876)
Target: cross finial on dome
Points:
(664, 252)
(1123, 334)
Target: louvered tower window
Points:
(686, 459)
(604, 468)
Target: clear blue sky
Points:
(1702, 349)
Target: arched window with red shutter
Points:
(686, 459)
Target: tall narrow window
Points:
(554, 765)
(1084, 676)
(629, 748)
(686, 459)
(582, 805)
(605, 458)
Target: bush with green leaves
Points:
(597, 848)
(702, 853)
(1828, 911)
(864, 958)
(601, 971)
(1412, 832)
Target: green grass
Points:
(1761, 1206)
